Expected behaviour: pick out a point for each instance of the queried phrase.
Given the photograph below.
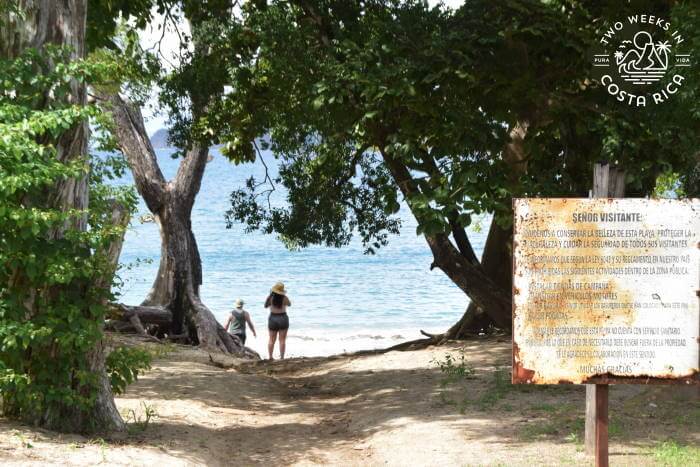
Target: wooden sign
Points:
(606, 291)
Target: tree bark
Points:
(497, 264)
(459, 267)
(176, 286)
(63, 23)
(120, 218)
(146, 314)
(497, 258)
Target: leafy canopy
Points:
(361, 100)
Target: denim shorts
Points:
(278, 322)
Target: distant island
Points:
(159, 139)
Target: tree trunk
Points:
(460, 265)
(494, 305)
(486, 293)
(176, 286)
(120, 218)
(497, 263)
(146, 314)
(63, 23)
(173, 246)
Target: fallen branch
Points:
(136, 322)
(177, 337)
(161, 317)
(416, 344)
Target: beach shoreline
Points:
(330, 342)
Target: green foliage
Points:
(322, 210)
(138, 421)
(103, 19)
(11, 6)
(424, 100)
(454, 369)
(54, 275)
(498, 388)
(671, 453)
(124, 364)
(669, 185)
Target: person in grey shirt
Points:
(237, 320)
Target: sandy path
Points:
(387, 409)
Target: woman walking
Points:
(278, 322)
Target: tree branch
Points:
(468, 276)
(267, 179)
(188, 180)
(458, 233)
(463, 243)
(136, 146)
(324, 32)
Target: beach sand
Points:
(392, 408)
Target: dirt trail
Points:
(385, 409)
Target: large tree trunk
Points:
(486, 282)
(496, 262)
(497, 258)
(63, 23)
(177, 242)
(458, 262)
(176, 287)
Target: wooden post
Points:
(608, 182)
(601, 425)
(590, 418)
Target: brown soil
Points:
(379, 409)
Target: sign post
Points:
(608, 182)
(605, 292)
(601, 425)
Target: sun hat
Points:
(278, 288)
(239, 303)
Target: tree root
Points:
(212, 335)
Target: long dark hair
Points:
(277, 299)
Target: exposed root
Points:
(212, 335)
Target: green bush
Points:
(53, 287)
(124, 364)
(454, 368)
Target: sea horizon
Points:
(342, 299)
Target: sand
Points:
(395, 408)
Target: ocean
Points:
(342, 300)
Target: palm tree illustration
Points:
(662, 51)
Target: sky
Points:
(155, 120)
(169, 45)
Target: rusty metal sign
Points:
(606, 291)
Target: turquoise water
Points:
(342, 300)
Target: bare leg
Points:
(283, 342)
(271, 343)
